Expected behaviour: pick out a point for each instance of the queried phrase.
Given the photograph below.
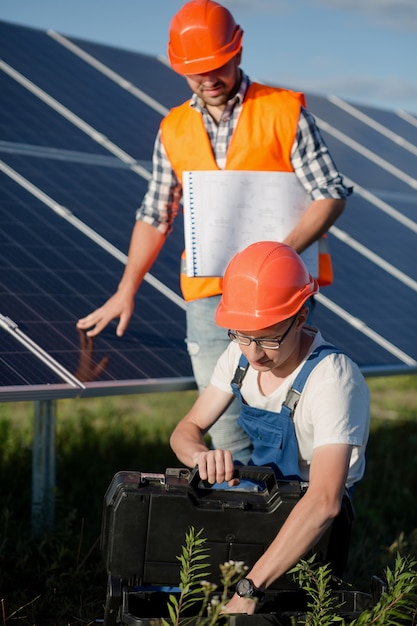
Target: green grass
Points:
(60, 580)
(385, 502)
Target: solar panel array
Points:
(77, 126)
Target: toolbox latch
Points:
(151, 477)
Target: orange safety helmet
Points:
(264, 284)
(203, 36)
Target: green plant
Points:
(316, 581)
(194, 590)
(231, 572)
(193, 563)
(397, 605)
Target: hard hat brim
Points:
(201, 66)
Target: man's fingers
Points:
(219, 466)
(95, 322)
(95, 331)
(89, 320)
(123, 324)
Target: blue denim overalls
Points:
(273, 434)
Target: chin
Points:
(219, 100)
(260, 367)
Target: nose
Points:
(253, 350)
(210, 76)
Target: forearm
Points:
(315, 222)
(187, 443)
(303, 528)
(145, 245)
(306, 523)
(310, 517)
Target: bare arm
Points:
(318, 174)
(315, 222)
(145, 245)
(307, 522)
(187, 440)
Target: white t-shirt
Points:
(333, 407)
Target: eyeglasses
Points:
(262, 342)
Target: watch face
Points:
(244, 587)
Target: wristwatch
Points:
(246, 589)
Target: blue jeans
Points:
(205, 343)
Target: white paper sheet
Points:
(225, 211)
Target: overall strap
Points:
(240, 372)
(297, 387)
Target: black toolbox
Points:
(145, 520)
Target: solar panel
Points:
(155, 78)
(51, 273)
(77, 126)
(77, 130)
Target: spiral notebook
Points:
(225, 211)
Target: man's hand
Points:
(118, 306)
(240, 605)
(216, 466)
(145, 245)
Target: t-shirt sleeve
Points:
(339, 403)
(225, 368)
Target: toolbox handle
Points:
(259, 474)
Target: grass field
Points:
(59, 579)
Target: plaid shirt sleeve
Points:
(312, 163)
(161, 202)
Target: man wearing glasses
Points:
(304, 404)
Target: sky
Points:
(363, 51)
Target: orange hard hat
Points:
(264, 284)
(203, 36)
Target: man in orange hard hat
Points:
(230, 123)
(304, 404)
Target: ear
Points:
(302, 317)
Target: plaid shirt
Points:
(310, 158)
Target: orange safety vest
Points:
(262, 141)
(325, 277)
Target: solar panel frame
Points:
(78, 172)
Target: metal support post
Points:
(44, 466)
